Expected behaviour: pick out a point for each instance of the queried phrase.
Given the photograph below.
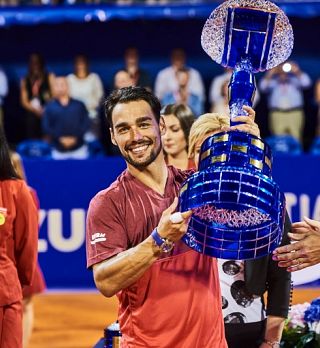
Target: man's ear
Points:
(112, 137)
(162, 126)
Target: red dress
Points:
(38, 283)
(18, 256)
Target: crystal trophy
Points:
(238, 210)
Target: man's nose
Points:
(136, 134)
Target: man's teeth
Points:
(139, 149)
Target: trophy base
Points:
(238, 210)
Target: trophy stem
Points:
(242, 89)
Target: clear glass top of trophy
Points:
(257, 31)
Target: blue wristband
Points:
(157, 238)
(163, 243)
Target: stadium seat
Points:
(315, 147)
(284, 144)
(95, 148)
(34, 148)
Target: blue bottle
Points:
(112, 335)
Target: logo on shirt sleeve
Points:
(98, 237)
(3, 214)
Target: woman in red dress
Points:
(38, 284)
(18, 247)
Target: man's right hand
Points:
(125, 268)
(173, 231)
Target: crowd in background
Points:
(67, 111)
(72, 2)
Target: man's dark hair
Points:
(130, 94)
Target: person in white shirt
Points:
(217, 89)
(317, 99)
(87, 87)
(284, 85)
(183, 95)
(3, 91)
(166, 80)
(218, 93)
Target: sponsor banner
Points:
(66, 187)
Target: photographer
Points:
(284, 85)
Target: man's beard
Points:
(141, 165)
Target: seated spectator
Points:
(124, 2)
(35, 89)
(139, 76)
(284, 85)
(9, 3)
(317, 98)
(122, 79)
(66, 121)
(157, 2)
(183, 94)
(3, 92)
(87, 87)
(284, 144)
(34, 148)
(166, 80)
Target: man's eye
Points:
(123, 130)
(144, 125)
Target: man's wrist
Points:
(164, 244)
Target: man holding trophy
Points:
(169, 291)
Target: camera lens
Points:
(286, 67)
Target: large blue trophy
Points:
(238, 210)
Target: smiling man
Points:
(169, 295)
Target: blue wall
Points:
(66, 187)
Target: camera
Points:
(286, 67)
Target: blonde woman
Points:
(249, 323)
(212, 123)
